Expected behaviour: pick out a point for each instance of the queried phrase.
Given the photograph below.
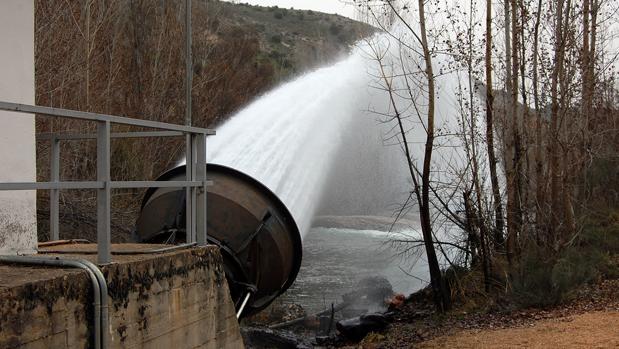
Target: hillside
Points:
(127, 58)
(294, 40)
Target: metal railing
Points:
(194, 184)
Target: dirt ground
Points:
(589, 330)
(589, 320)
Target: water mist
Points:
(325, 143)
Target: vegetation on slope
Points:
(293, 41)
(127, 58)
(534, 196)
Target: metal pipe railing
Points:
(54, 193)
(123, 252)
(82, 115)
(99, 286)
(195, 183)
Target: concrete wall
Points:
(17, 144)
(177, 300)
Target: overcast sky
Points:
(328, 6)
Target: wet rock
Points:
(358, 327)
(259, 338)
(329, 341)
(325, 326)
(370, 295)
(275, 313)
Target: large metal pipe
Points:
(259, 239)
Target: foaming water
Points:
(386, 235)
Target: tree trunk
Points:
(524, 163)
(553, 151)
(514, 214)
(480, 221)
(439, 288)
(492, 161)
(88, 50)
(539, 161)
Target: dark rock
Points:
(333, 341)
(324, 340)
(275, 313)
(324, 328)
(356, 328)
(258, 338)
(370, 295)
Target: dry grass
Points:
(589, 330)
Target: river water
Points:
(336, 259)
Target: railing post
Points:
(194, 190)
(201, 191)
(103, 195)
(189, 217)
(54, 195)
(205, 193)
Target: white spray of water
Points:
(288, 138)
(314, 143)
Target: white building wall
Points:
(18, 233)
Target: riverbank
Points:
(338, 262)
(590, 319)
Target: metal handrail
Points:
(82, 115)
(195, 182)
(99, 185)
(48, 136)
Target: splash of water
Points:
(315, 143)
(288, 138)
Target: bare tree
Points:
(441, 296)
(492, 160)
(553, 151)
(421, 178)
(540, 178)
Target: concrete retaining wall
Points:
(178, 300)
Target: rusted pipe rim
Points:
(234, 197)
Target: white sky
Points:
(327, 6)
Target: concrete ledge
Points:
(174, 300)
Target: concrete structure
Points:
(175, 300)
(17, 143)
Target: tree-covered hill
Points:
(294, 40)
(127, 57)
